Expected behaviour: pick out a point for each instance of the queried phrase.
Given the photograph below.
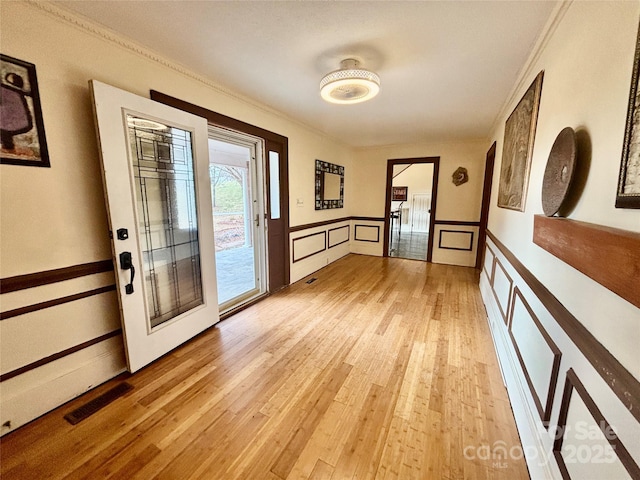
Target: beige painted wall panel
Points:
(502, 287)
(455, 236)
(454, 203)
(308, 245)
(367, 233)
(28, 338)
(536, 354)
(338, 235)
(53, 291)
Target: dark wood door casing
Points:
(277, 230)
(486, 202)
(434, 198)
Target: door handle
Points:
(126, 263)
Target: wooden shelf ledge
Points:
(609, 256)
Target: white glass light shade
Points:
(349, 85)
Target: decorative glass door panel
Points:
(162, 159)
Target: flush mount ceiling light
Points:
(350, 84)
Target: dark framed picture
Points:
(21, 129)
(399, 194)
(628, 195)
(519, 136)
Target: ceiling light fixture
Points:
(350, 84)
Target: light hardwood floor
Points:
(381, 368)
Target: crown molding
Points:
(88, 26)
(526, 74)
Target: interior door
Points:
(155, 170)
(420, 216)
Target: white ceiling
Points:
(446, 67)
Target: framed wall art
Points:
(628, 195)
(21, 129)
(399, 194)
(519, 136)
(329, 185)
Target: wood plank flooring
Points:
(381, 368)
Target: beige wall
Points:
(56, 217)
(454, 203)
(587, 61)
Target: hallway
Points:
(411, 245)
(380, 368)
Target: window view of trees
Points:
(228, 205)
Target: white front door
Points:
(156, 176)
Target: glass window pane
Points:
(274, 184)
(168, 223)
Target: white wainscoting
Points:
(53, 349)
(316, 247)
(368, 237)
(455, 244)
(565, 398)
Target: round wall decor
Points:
(558, 174)
(460, 176)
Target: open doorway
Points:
(237, 190)
(410, 207)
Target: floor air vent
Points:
(311, 280)
(97, 403)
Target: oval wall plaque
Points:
(558, 174)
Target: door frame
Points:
(278, 264)
(486, 203)
(256, 175)
(434, 198)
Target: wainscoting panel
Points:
(584, 434)
(455, 240)
(317, 245)
(366, 233)
(306, 246)
(367, 236)
(42, 333)
(455, 243)
(539, 357)
(38, 391)
(487, 268)
(502, 288)
(60, 335)
(575, 405)
(338, 235)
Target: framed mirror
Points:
(329, 185)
